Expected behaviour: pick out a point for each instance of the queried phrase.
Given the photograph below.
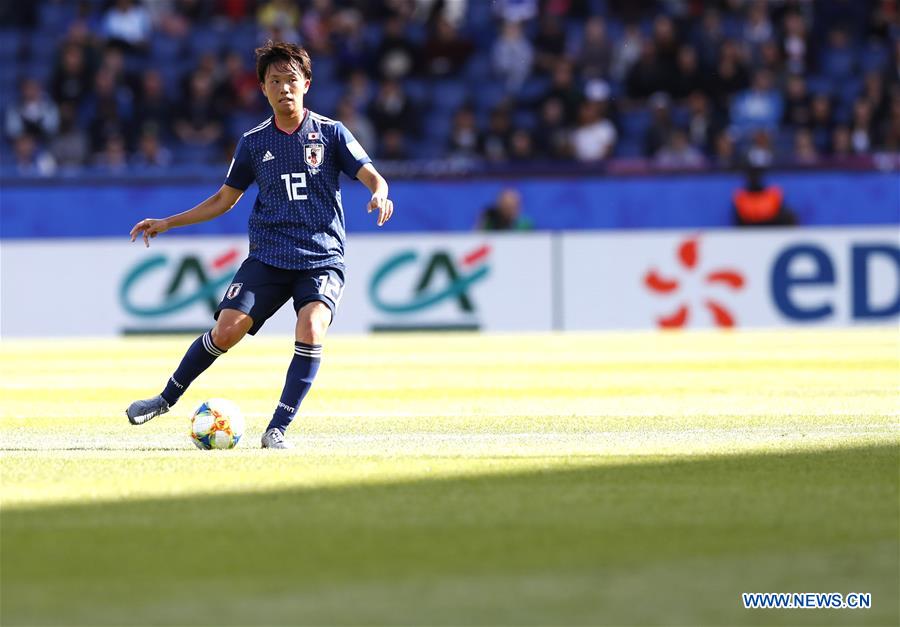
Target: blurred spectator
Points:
(759, 107)
(688, 78)
(594, 54)
(113, 158)
(626, 52)
(359, 90)
(564, 88)
(464, 133)
(702, 124)
(757, 27)
(240, 85)
(30, 160)
(446, 51)
(152, 108)
(151, 154)
(316, 25)
(521, 146)
(678, 153)
(647, 75)
(515, 10)
(127, 24)
(72, 77)
(554, 131)
(512, 56)
(758, 204)
(34, 113)
(396, 55)
(839, 58)
(494, 143)
(821, 122)
(891, 142)
(795, 43)
(70, 146)
(876, 95)
(805, 152)
(279, 20)
(861, 126)
(661, 125)
(505, 214)
(709, 36)
(725, 151)
(665, 43)
(350, 48)
(730, 76)
(769, 58)
(797, 108)
(358, 124)
(760, 153)
(199, 120)
(392, 109)
(110, 110)
(393, 145)
(595, 137)
(549, 43)
(841, 143)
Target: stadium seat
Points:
(448, 95)
(635, 123)
(10, 40)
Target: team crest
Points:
(233, 290)
(314, 154)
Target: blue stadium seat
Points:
(10, 40)
(55, 16)
(629, 147)
(819, 85)
(206, 39)
(525, 119)
(634, 123)
(418, 90)
(165, 49)
(323, 98)
(437, 127)
(448, 95)
(875, 58)
(488, 95)
(324, 67)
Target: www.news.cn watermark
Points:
(806, 600)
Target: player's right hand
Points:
(149, 227)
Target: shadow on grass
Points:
(654, 543)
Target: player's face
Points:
(284, 89)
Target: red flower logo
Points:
(688, 257)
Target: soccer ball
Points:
(217, 424)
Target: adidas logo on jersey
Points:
(267, 157)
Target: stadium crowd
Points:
(130, 86)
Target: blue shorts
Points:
(259, 290)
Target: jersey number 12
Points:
(293, 189)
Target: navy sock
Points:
(198, 358)
(300, 375)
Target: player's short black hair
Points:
(282, 53)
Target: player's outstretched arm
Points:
(212, 207)
(379, 188)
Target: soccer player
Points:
(296, 234)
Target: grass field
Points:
(458, 479)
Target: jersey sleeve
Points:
(240, 173)
(351, 155)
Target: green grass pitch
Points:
(616, 478)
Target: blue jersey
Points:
(297, 221)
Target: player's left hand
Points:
(385, 208)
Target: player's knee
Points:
(226, 335)
(312, 324)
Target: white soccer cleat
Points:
(274, 438)
(140, 412)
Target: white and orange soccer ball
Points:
(217, 424)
